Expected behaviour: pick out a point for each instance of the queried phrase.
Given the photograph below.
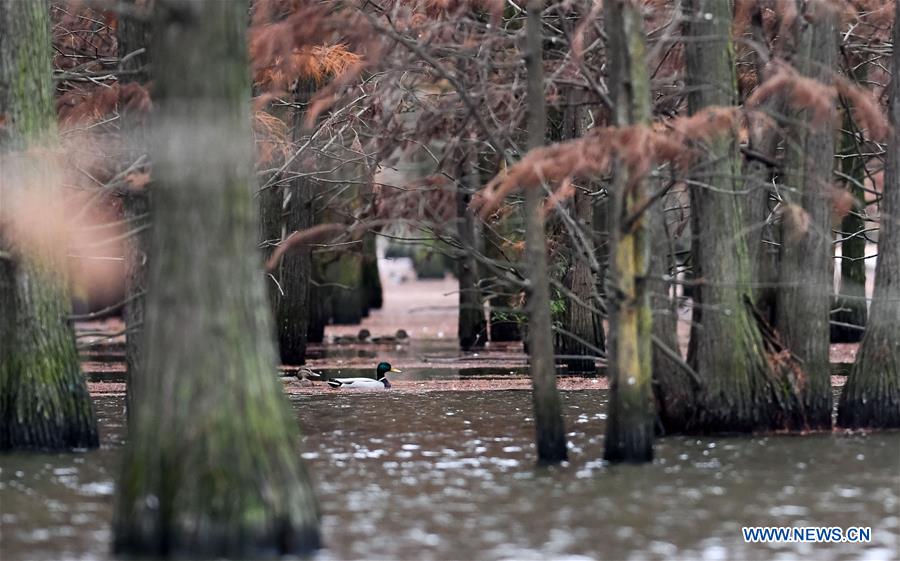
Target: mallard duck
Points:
(379, 383)
(306, 375)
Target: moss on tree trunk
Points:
(44, 402)
(745, 386)
(211, 467)
(871, 396)
(629, 431)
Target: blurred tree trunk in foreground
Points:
(806, 278)
(44, 401)
(133, 41)
(629, 431)
(211, 466)
(551, 436)
(871, 396)
(746, 384)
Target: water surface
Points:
(450, 475)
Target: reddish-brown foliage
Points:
(79, 107)
(637, 147)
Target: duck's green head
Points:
(383, 368)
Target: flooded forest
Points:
(450, 279)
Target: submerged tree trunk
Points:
(629, 431)
(745, 386)
(471, 325)
(44, 401)
(850, 310)
(132, 36)
(551, 436)
(806, 274)
(871, 397)
(211, 467)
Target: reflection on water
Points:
(450, 476)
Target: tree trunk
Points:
(133, 34)
(673, 388)
(292, 298)
(471, 325)
(211, 467)
(582, 338)
(806, 274)
(871, 397)
(320, 298)
(763, 243)
(371, 280)
(344, 265)
(850, 302)
(551, 436)
(585, 338)
(629, 431)
(44, 401)
(744, 388)
(504, 314)
(344, 274)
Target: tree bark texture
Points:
(871, 396)
(211, 466)
(582, 338)
(551, 436)
(629, 431)
(806, 267)
(44, 401)
(763, 243)
(291, 299)
(133, 34)
(743, 387)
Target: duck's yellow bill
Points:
(394, 370)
